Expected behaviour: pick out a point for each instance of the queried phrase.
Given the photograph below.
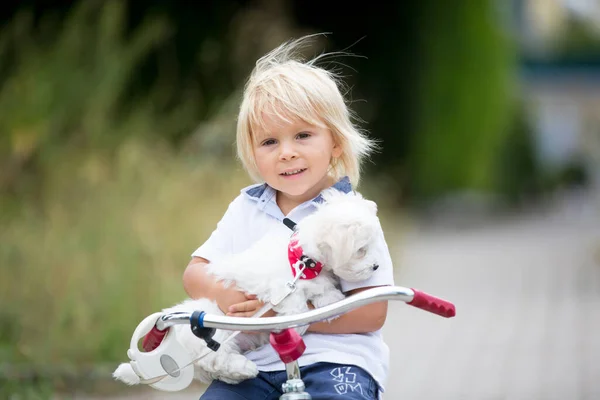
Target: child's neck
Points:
(287, 202)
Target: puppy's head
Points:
(342, 234)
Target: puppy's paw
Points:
(203, 376)
(234, 368)
(332, 296)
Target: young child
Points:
(295, 136)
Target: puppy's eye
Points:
(361, 252)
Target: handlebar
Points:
(412, 297)
(166, 367)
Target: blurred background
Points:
(117, 123)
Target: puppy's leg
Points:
(200, 374)
(229, 366)
(203, 356)
(295, 303)
(249, 342)
(193, 344)
(325, 294)
(330, 296)
(226, 364)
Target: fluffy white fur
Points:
(125, 373)
(340, 234)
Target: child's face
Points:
(293, 158)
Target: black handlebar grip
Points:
(203, 333)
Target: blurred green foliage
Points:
(579, 40)
(63, 85)
(106, 246)
(98, 212)
(464, 100)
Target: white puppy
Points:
(340, 237)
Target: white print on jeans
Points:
(346, 380)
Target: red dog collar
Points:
(299, 262)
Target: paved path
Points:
(527, 292)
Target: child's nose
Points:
(288, 152)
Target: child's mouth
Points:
(294, 172)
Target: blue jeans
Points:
(322, 381)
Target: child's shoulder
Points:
(247, 196)
(253, 191)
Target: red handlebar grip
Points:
(288, 344)
(153, 339)
(432, 304)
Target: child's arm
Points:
(197, 283)
(365, 319)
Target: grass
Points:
(98, 215)
(105, 248)
(108, 244)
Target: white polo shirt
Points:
(254, 213)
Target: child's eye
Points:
(268, 142)
(303, 135)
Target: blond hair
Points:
(284, 84)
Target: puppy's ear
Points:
(324, 252)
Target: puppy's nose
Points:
(375, 266)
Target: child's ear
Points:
(337, 151)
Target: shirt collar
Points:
(263, 193)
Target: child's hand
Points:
(248, 308)
(226, 297)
